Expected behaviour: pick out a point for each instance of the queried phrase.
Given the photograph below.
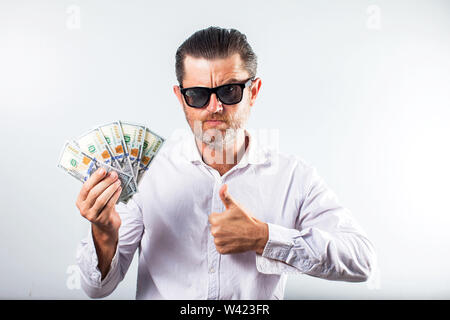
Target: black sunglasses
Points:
(198, 97)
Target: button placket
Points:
(213, 255)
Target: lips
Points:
(214, 122)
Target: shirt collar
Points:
(255, 153)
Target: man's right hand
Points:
(96, 202)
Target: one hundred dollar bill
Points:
(134, 138)
(80, 165)
(114, 136)
(152, 144)
(94, 144)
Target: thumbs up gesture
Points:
(235, 229)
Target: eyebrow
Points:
(232, 80)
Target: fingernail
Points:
(117, 182)
(113, 174)
(101, 171)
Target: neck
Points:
(224, 158)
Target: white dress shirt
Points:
(310, 232)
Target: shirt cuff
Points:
(88, 262)
(278, 252)
(280, 242)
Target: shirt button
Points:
(212, 270)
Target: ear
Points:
(254, 89)
(177, 91)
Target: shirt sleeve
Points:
(326, 241)
(130, 234)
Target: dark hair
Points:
(215, 43)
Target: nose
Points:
(214, 104)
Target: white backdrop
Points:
(359, 89)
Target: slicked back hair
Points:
(215, 43)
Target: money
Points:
(134, 139)
(114, 136)
(125, 147)
(95, 145)
(80, 165)
(152, 144)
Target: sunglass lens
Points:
(196, 97)
(230, 94)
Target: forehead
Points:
(211, 73)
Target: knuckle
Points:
(99, 203)
(88, 217)
(93, 213)
(221, 250)
(212, 219)
(215, 231)
(93, 194)
(83, 210)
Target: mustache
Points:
(216, 119)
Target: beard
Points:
(219, 139)
(215, 139)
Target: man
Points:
(218, 216)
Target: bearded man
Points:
(218, 215)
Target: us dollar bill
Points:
(152, 144)
(95, 145)
(114, 137)
(134, 138)
(81, 166)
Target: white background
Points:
(359, 89)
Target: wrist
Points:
(104, 238)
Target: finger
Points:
(98, 175)
(106, 212)
(113, 200)
(98, 189)
(105, 196)
(227, 200)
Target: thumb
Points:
(227, 200)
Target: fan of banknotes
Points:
(124, 147)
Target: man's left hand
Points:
(236, 230)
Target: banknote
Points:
(125, 147)
(134, 138)
(152, 144)
(94, 144)
(114, 136)
(80, 165)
